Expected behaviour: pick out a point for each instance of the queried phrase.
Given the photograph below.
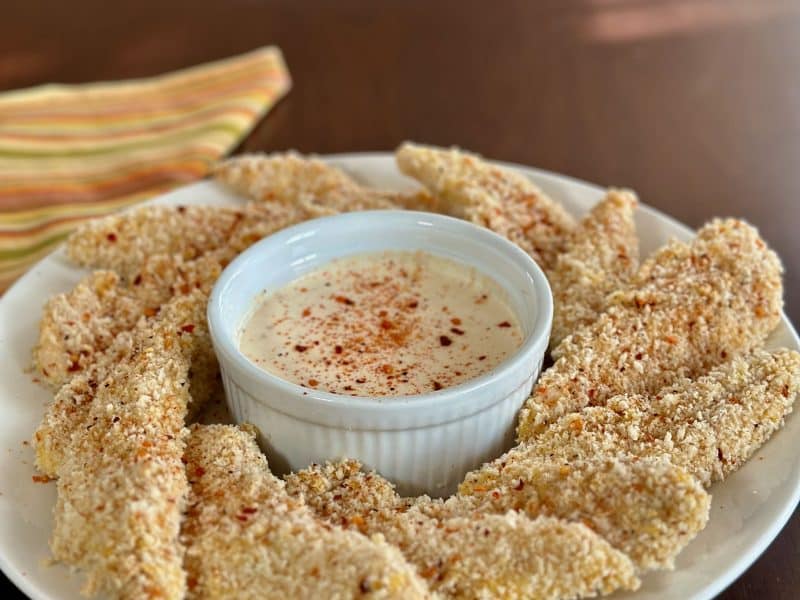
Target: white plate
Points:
(748, 509)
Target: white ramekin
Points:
(423, 443)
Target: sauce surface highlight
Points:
(384, 324)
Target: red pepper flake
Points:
(188, 328)
(199, 471)
(41, 478)
(75, 366)
(344, 300)
(249, 510)
(413, 304)
(386, 324)
(639, 356)
(455, 321)
(444, 340)
(437, 386)
(300, 348)
(313, 382)
(112, 237)
(306, 312)
(338, 349)
(504, 324)
(388, 369)
(482, 357)
(242, 518)
(138, 279)
(457, 331)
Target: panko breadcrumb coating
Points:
(601, 257)
(80, 324)
(70, 408)
(77, 324)
(508, 556)
(246, 538)
(308, 183)
(465, 553)
(122, 483)
(123, 242)
(647, 508)
(689, 307)
(709, 426)
(506, 202)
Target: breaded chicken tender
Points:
(689, 307)
(647, 508)
(709, 427)
(502, 200)
(125, 241)
(318, 188)
(72, 404)
(246, 538)
(601, 257)
(79, 323)
(70, 407)
(77, 326)
(122, 483)
(462, 549)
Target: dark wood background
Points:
(693, 103)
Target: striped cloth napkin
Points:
(70, 153)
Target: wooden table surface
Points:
(693, 103)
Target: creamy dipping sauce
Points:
(384, 324)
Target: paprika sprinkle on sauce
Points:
(384, 324)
